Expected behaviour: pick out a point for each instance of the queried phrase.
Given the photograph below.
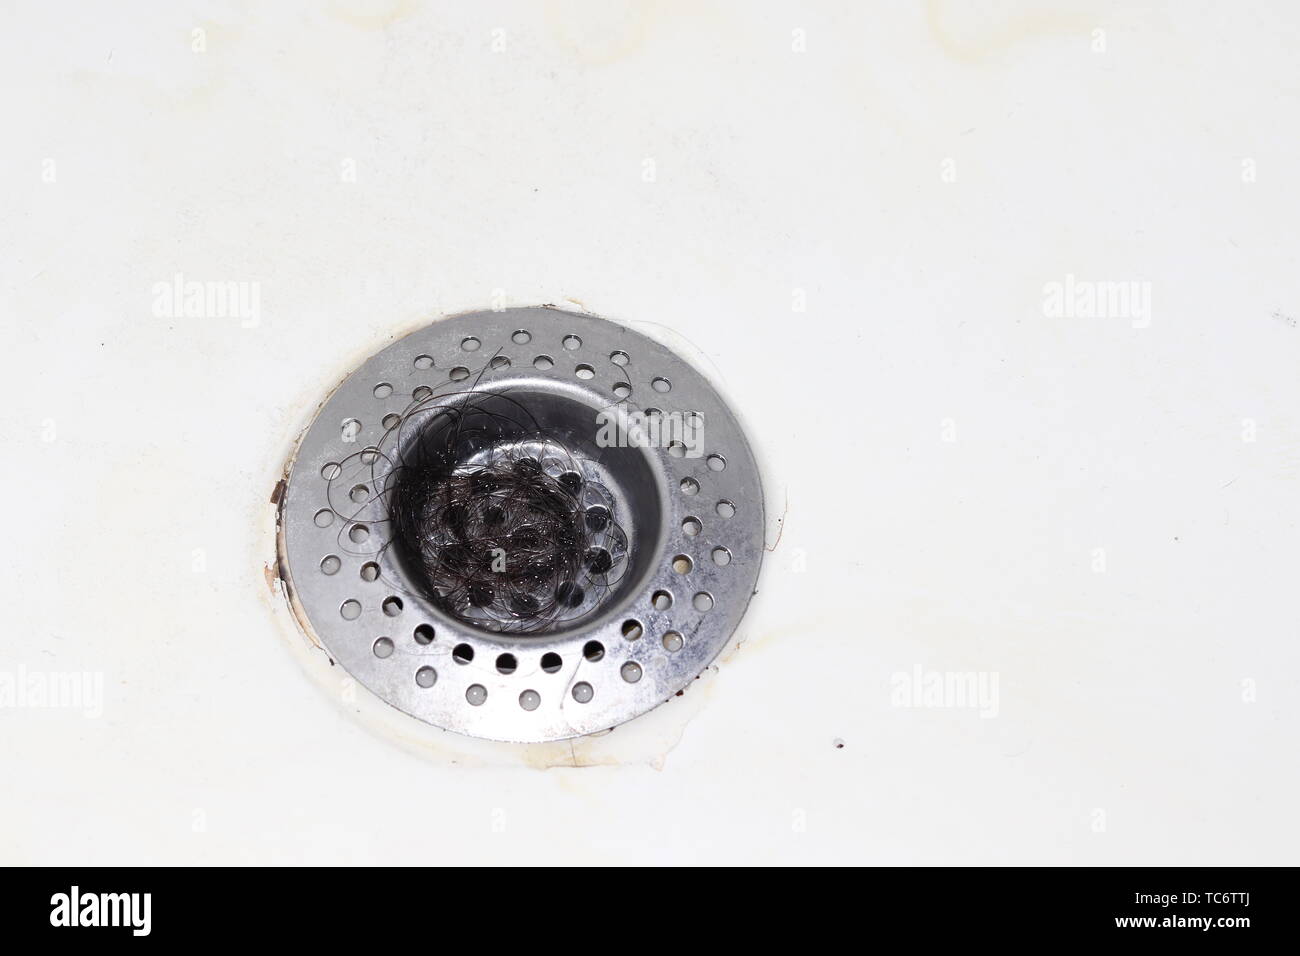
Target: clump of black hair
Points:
(501, 526)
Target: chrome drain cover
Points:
(668, 506)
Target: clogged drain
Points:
(465, 535)
(498, 526)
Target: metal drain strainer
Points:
(652, 438)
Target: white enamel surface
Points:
(852, 242)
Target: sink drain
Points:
(523, 525)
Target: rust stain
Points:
(280, 573)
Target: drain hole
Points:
(676, 449)
(703, 601)
(543, 363)
(470, 344)
(499, 362)
(324, 518)
(506, 663)
(672, 641)
(330, 564)
(359, 494)
(661, 601)
(424, 634)
(682, 564)
(630, 672)
(423, 393)
(582, 692)
(530, 700)
(331, 470)
(691, 527)
(598, 560)
(721, 556)
(507, 529)
(392, 606)
(351, 610)
(593, 651)
(426, 677)
(369, 571)
(423, 362)
(551, 662)
(597, 518)
(619, 358)
(632, 630)
(661, 384)
(716, 462)
(350, 430)
(358, 533)
(383, 390)
(572, 343)
(462, 654)
(569, 594)
(622, 390)
(725, 508)
(392, 421)
(383, 647)
(690, 486)
(585, 372)
(458, 374)
(521, 337)
(475, 694)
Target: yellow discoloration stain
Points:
(976, 33)
(372, 14)
(600, 32)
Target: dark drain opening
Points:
(508, 516)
